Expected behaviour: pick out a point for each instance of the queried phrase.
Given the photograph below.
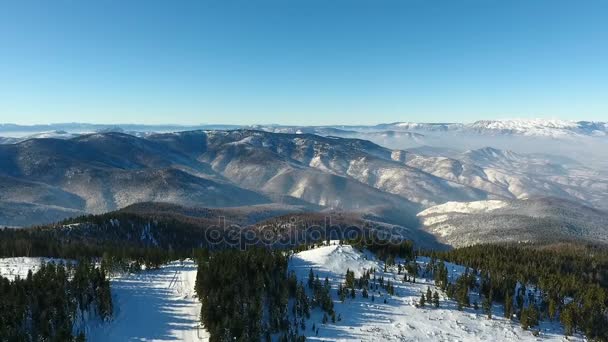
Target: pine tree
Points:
(429, 294)
(508, 306)
(422, 300)
(529, 317)
(341, 293)
(552, 308)
(311, 278)
(568, 318)
(487, 305)
(436, 299)
(523, 319)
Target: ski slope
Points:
(399, 319)
(154, 305)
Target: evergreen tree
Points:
(552, 308)
(568, 318)
(436, 299)
(529, 317)
(487, 305)
(508, 306)
(311, 278)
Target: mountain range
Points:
(525, 127)
(276, 171)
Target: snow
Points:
(462, 208)
(154, 305)
(12, 268)
(399, 319)
(334, 259)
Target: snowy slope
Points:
(155, 305)
(399, 319)
(441, 213)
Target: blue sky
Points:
(302, 61)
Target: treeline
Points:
(245, 295)
(47, 243)
(108, 230)
(385, 250)
(45, 305)
(568, 284)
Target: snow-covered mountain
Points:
(526, 127)
(539, 127)
(523, 127)
(43, 180)
(509, 175)
(544, 220)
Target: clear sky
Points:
(302, 61)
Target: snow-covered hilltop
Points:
(398, 319)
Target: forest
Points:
(566, 282)
(250, 292)
(46, 305)
(245, 294)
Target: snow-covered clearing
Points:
(399, 319)
(12, 268)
